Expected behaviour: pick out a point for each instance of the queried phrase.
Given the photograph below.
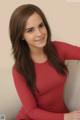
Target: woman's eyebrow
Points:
(28, 28)
(41, 23)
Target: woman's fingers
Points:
(75, 115)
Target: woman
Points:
(39, 71)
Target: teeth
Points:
(37, 40)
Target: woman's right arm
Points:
(29, 102)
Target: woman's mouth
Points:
(40, 40)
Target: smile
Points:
(40, 39)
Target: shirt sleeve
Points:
(28, 100)
(67, 51)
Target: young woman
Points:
(39, 72)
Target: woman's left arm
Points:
(67, 51)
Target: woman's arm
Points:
(29, 102)
(67, 51)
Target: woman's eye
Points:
(29, 30)
(41, 25)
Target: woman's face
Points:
(35, 32)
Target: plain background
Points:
(64, 19)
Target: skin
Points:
(72, 115)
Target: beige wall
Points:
(64, 19)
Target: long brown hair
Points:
(21, 52)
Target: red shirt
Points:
(49, 104)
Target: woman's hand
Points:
(72, 115)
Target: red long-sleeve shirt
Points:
(49, 104)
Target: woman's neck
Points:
(39, 56)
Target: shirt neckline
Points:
(42, 63)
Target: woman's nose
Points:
(38, 32)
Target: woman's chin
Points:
(41, 44)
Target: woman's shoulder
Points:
(16, 73)
(60, 45)
(57, 42)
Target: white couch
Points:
(72, 86)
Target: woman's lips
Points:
(41, 39)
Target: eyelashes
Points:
(29, 30)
